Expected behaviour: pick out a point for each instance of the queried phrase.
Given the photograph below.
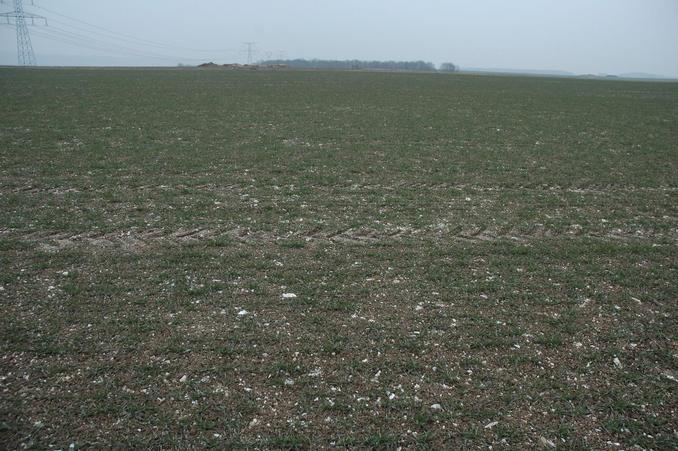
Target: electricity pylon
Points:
(24, 47)
(250, 50)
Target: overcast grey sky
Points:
(581, 36)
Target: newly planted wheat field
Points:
(193, 259)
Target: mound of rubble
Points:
(212, 65)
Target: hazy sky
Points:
(581, 36)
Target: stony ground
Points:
(314, 260)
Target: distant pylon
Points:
(250, 50)
(24, 47)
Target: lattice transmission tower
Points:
(18, 18)
(250, 49)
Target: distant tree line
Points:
(448, 67)
(419, 66)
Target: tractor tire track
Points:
(139, 239)
(408, 185)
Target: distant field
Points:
(477, 261)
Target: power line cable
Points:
(77, 43)
(64, 39)
(77, 36)
(106, 36)
(74, 43)
(126, 36)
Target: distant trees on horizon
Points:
(418, 66)
(448, 67)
